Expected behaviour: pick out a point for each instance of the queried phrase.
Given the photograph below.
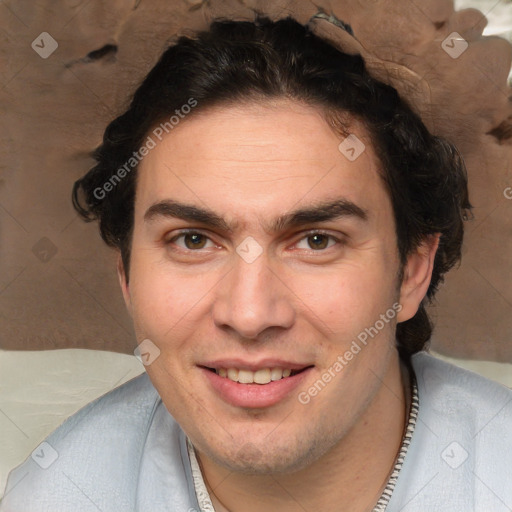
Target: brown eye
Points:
(318, 241)
(194, 241)
(191, 241)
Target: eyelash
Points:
(307, 235)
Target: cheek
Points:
(158, 298)
(349, 297)
(168, 304)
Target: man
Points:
(281, 218)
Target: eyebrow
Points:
(321, 211)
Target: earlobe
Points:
(417, 276)
(125, 287)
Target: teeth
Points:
(233, 374)
(245, 377)
(276, 373)
(263, 376)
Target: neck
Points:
(350, 477)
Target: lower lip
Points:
(254, 395)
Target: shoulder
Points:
(460, 455)
(469, 407)
(444, 386)
(96, 451)
(128, 406)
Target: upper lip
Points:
(254, 366)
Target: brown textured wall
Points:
(58, 286)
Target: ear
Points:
(417, 276)
(125, 287)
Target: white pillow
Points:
(40, 389)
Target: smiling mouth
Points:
(263, 376)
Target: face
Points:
(228, 277)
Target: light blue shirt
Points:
(124, 452)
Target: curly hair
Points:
(236, 61)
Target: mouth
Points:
(262, 376)
(252, 386)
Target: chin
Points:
(271, 457)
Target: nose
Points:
(252, 298)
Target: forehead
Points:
(259, 159)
